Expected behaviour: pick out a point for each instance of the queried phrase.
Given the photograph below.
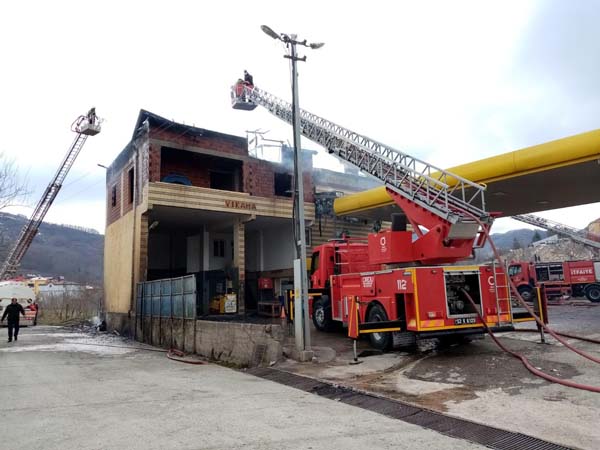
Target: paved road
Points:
(481, 383)
(58, 393)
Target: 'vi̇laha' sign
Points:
(236, 204)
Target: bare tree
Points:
(12, 188)
(77, 306)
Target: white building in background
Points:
(549, 240)
(60, 289)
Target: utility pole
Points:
(302, 321)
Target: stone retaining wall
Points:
(239, 344)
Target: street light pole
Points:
(299, 197)
(303, 332)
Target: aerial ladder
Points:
(580, 236)
(447, 212)
(84, 126)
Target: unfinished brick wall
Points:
(188, 165)
(258, 178)
(198, 167)
(154, 163)
(221, 144)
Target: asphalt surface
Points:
(59, 392)
(479, 382)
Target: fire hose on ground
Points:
(540, 323)
(173, 354)
(177, 355)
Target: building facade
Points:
(184, 200)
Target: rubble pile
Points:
(561, 250)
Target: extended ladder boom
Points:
(426, 193)
(443, 193)
(84, 126)
(576, 235)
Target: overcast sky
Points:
(449, 82)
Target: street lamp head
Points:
(269, 32)
(316, 45)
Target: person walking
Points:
(12, 311)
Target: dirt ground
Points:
(477, 381)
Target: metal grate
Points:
(447, 425)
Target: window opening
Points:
(283, 184)
(130, 184)
(219, 248)
(224, 181)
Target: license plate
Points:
(465, 321)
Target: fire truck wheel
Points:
(322, 314)
(526, 293)
(380, 341)
(593, 293)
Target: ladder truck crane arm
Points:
(84, 126)
(582, 237)
(439, 205)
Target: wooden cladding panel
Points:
(166, 194)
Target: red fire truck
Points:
(399, 284)
(398, 305)
(573, 278)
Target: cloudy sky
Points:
(448, 82)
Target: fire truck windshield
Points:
(513, 270)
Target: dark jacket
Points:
(12, 311)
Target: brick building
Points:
(184, 200)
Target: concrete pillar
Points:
(239, 262)
(205, 267)
(205, 249)
(142, 256)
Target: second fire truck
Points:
(572, 278)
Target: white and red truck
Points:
(22, 292)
